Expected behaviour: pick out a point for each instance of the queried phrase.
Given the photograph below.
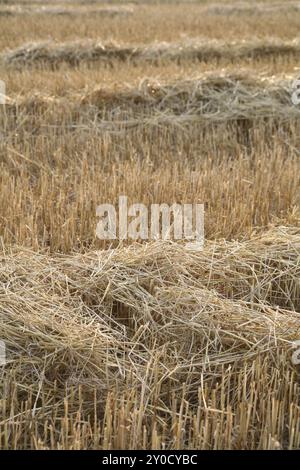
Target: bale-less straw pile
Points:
(154, 338)
(250, 8)
(52, 54)
(103, 12)
(209, 98)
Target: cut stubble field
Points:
(148, 345)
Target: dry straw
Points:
(65, 10)
(208, 98)
(251, 8)
(150, 346)
(144, 320)
(53, 54)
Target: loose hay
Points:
(53, 54)
(103, 12)
(210, 98)
(253, 8)
(148, 317)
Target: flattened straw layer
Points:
(209, 98)
(265, 269)
(253, 8)
(74, 53)
(165, 286)
(144, 320)
(15, 10)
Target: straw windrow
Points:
(63, 10)
(75, 53)
(210, 98)
(151, 313)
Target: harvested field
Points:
(145, 343)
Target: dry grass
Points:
(53, 189)
(251, 8)
(146, 23)
(222, 415)
(139, 322)
(209, 98)
(198, 50)
(149, 345)
(102, 11)
(213, 98)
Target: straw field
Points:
(147, 344)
